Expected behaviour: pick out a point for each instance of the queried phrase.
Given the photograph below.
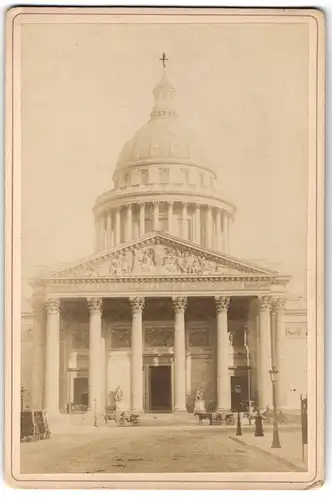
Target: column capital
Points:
(179, 303)
(278, 302)
(141, 204)
(155, 203)
(95, 304)
(137, 303)
(222, 303)
(264, 302)
(52, 305)
(128, 206)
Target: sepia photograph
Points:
(166, 315)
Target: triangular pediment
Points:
(159, 253)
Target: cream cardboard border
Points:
(315, 249)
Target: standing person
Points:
(118, 399)
(95, 420)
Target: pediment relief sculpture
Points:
(158, 258)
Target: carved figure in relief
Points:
(163, 259)
(146, 259)
(169, 260)
(121, 264)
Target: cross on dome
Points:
(163, 59)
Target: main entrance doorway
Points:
(160, 388)
(239, 392)
(81, 391)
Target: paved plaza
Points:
(147, 449)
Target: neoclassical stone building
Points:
(162, 308)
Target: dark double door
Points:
(239, 392)
(160, 388)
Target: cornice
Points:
(116, 198)
(164, 161)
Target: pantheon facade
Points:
(162, 308)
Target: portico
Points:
(118, 328)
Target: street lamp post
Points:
(238, 426)
(275, 439)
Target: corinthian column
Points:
(156, 215)
(179, 304)
(52, 370)
(95, 353)
(279, 350)
(198, 225)
(265, 364)
(170, 217)
(218, 230)
(109, 230)
(226, 232)
(117, 226)
(208, 227)
(137, 305)
(141, 219)
(184, 221)
(129, 222)
(223, 380)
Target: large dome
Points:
(164, 139)
(159, 140)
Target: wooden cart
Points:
(34, 425)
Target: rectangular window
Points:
(185, 174)
(127, 180)
(145, 176)
(163, 175)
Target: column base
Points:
(180, 410)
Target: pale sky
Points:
(243, 90)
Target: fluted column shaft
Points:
(170, 217)
(109, 229)
(218, 230)
(95, 354)
(97, 233)
(265, 364)
(184, 221)
(226, 232)
(279, 350)
(179, 304)
(208, 227)
(198, 225)
(52, 366)
(129, 222)
(117, 226)
(223, 380)
(137, 305)
(142, 219)
(156, 215)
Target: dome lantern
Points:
(164, 99)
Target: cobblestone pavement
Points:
(145, 449)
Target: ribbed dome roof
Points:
(164, 137)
